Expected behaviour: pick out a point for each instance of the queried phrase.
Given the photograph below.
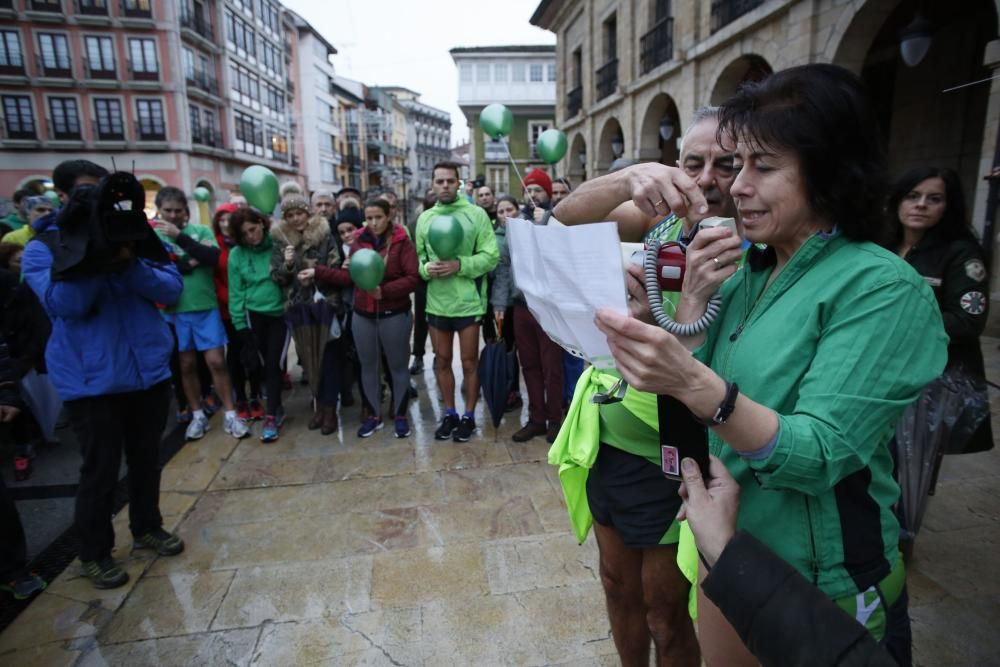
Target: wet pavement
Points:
(341, 551)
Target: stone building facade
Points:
(631, 73)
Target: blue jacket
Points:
(107, 335)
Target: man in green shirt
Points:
(196, 317)
(456, 296)
(18, 217)
(632, 503)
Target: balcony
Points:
(137, 9)
(67, 133)
(574, 101)
(657, 46)
(45, 6)
(607, 78)
(207, 138)
(725, 12)
(150, 132)
(92, 73)
(54, 71)
(109, 133)
(198, 25)
(92, 7)
(203, 81)
(13, 70)
(19, 133)
(143, 75)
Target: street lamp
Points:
(666, 128)
(915, 40)
(618, 145)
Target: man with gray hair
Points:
(632, 503)
(324, 203)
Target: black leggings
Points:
(271, 333)
(237, 371)
(420, 320)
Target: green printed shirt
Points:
(199, 288)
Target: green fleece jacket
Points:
(250, 284)
(462, 294)
(843, 339)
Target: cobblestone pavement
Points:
(340, 551)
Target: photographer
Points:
(108, 354)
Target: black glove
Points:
(249, 353)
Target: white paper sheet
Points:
(567, 274)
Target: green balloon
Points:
(551, 146)
(496, 120)
(53, 198)
(201, 194)
(367, 269)
(445, 236)
(260, 187)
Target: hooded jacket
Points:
(314, 247)
(462, 294)
(250, 284)
(401, 275)
(107, 335)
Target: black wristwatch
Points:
(725, 408)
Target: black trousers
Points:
(105, 426)
(13, 548)
(271, 333)
(420, 320)
(237, 371)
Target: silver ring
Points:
(716, 260)
(657, 204)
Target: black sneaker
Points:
(24, 586)
(104, 573)
(164, 543)
(417, 367)
(465, 429)
(447, 427)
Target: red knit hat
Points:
(538, 177)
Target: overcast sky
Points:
(406, 42)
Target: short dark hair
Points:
(170, 193)
(66, 173)
(821, 113)
(565, 181)
(20, 194)
(953, 225)
(452, 166)
(241, 217)
(487, 186)
(7, 252)
(509, 199)
(378, 202)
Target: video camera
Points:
(102, 228)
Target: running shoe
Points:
(402, 427)
(371, 425)
(104, 573)
(466, 427)
(236, 427)
(256, 409)
(164, 543)
(270, 430)
(211, 404)
(24, 586)
(22, 468)
(184, 416)
(417, 367)
(243, 411)
(447, 427)
(197, 429)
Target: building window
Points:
(138, 8)
(496, 178)
(94, 7)
(249, 134)
(535, 129)
(269, 17)
(535, 72)
(209, 133)
(54, 50)
(65, 118)
(11, 57)
(143, 54)
(45, 6)
(18, 117)
(500, 73)
(100, 57)
(517, 72)
(274, 99)
(483, 73)
(194, 117)
(610, 30)
(240, 35)
(151, 124)
(246, 86)
(465, 73)
(188, 63)
(326, 143)
(326, 172)
(278, 144)
(245, 5)
(110, 125)
(551, 71)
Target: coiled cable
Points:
(656, 299)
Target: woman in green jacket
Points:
(257, 306)
(822, 341)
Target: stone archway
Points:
(610, 137)
(661, 131)
(749, 67)
(576, 159)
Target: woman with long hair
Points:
(382, 318)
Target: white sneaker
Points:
(236, 427)
(197, 428)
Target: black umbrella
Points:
(496, 371)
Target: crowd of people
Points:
(872, 291)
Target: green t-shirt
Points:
(199, 287)
(620, 427)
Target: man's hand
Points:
(538, 213)
(711, 510)
(657, 190)
(8, 413)
(168, 229)
(443, 269)
(638, 300)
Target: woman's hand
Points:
(659, 190)
(709, 508)
(711, 260)
(376, 293)
(649, 358)
(289, 254)
(306, 276)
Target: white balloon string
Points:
(510, 157)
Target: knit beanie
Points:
(539, 177)
(31, 202)
(294, 202)
(350, 214)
